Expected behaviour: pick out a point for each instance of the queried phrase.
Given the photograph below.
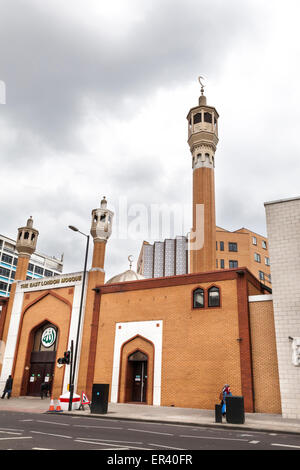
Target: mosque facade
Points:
(167, 341)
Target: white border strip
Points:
(260, 298)
(150, 331)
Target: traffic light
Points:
(67, 357)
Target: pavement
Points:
(272, 423)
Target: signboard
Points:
(54, 281)
(48, 337)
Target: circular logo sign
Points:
(48, 337)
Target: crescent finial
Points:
(202, 86)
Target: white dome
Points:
(128, 275)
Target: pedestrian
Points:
(44, 389)
(226, 392)
(8, 387)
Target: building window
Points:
(30, 267)
(15, 262)
(197, 118)
(38, 270)
(233, 263)
(7, 259)
(232, 246)
(3, 286)
(198, 298)
(208, 117)
(221, 246)
(13, 274)
(267, 261)
(254, 240)
(261, 276)
(257, 257)
(48, 273)
(269, 278)
(4, 272)
(214, 297)
(222, 264)
(264, 244)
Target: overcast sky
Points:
(97, 95)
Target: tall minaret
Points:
(101, 231)
(203, 140)
(26, 245)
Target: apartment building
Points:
(39, 266)
(243, 248)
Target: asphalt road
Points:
(32, 431)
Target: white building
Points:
(283, 226)
(39, 266)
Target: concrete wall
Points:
(283, 226)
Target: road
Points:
(32, 431)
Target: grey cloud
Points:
(51, 67)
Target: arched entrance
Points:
(136, 379)
(42, 359)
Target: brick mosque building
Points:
(170, 341)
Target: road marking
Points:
(41, 448)
(253, 442)
(10, 432)
(212, 438)
(109, 440)
(23, 420)
(111, 445)
(11, 429)
(52, 422)
(151, 432)
(48, 434)
(95, 427)
(286, 445)
(7, 438)
(166, 447)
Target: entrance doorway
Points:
(137, 377)
(40, 372)
(42, 359)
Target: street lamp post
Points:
(74, 359)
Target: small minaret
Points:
(101, 229)
(203, 140)
(25, 245)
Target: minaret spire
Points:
(203, 140)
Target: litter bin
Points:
(218, 413)
(235, 413)
(99, 398)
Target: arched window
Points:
(197, 118)
(198, 298)
(26, 235)
(214, 297)
(208, 117)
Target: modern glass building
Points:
(167, 258)
(39, 265)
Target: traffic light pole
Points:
(71, 370)
(79, 323)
